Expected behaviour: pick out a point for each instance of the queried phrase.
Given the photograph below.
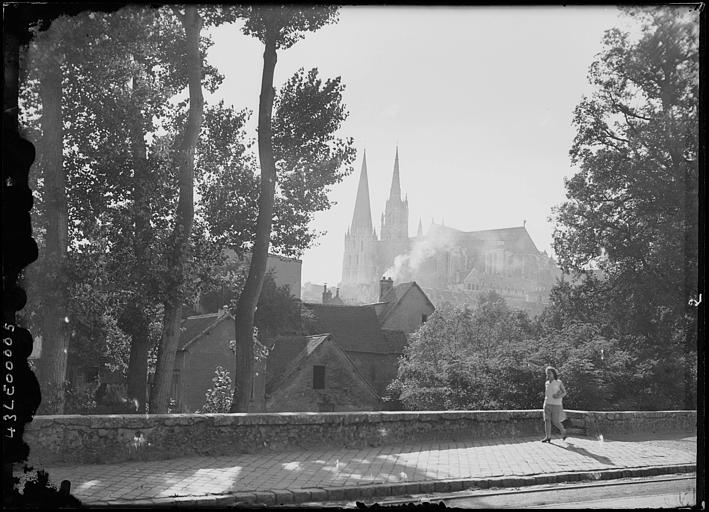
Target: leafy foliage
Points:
(628, 232)
(309, 156)
(286, 25)
(218, 397)
(278, 311)
(448, 365)
(80, 399)
(635, 195)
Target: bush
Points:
(218, 397)
(80, 399)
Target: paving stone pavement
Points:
(298, 476)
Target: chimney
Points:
(385, 285)
(326, 294)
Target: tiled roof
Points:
(193, 326)
(395, 339)
(354, 328)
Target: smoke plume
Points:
(406, 266)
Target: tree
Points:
(630, 224)
(179, 245)
(493, 358)
(118, 72)
(276, 27)
(52, 365)
(309, 158)
(278, 311)
(462, 359)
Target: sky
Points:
(479, 101)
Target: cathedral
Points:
(448, 264)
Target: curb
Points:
(290, 497)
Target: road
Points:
(666, 491)
(658, 492)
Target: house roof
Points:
(395, 339)
(451, 296)
(354, 328)
(195, 326)
(282, 351)
(396, 295)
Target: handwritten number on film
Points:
(8, 388)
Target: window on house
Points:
(318, 377)
(424, 318)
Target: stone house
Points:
(345, 365)
(207, 341)
(312, 373)
(404, 307)
(300, 373)
(356, 330)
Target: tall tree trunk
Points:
(137, 381)
(55, 342)
(246, 307)
(160, 393)
(136, 317)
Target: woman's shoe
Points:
(546, 440)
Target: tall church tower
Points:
(359, 267)
(395, 221)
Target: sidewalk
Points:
(364, 474)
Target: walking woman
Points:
(553, 408)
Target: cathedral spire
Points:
(420, 229)
(362, 218)
(395, 192)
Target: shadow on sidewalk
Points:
(584, 452)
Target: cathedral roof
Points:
(516, 239)
(362, 217)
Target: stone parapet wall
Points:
(629, 422)
(115, 438)
(56, 440)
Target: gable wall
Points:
(343, 391)
(200, 361)
(407, 314)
